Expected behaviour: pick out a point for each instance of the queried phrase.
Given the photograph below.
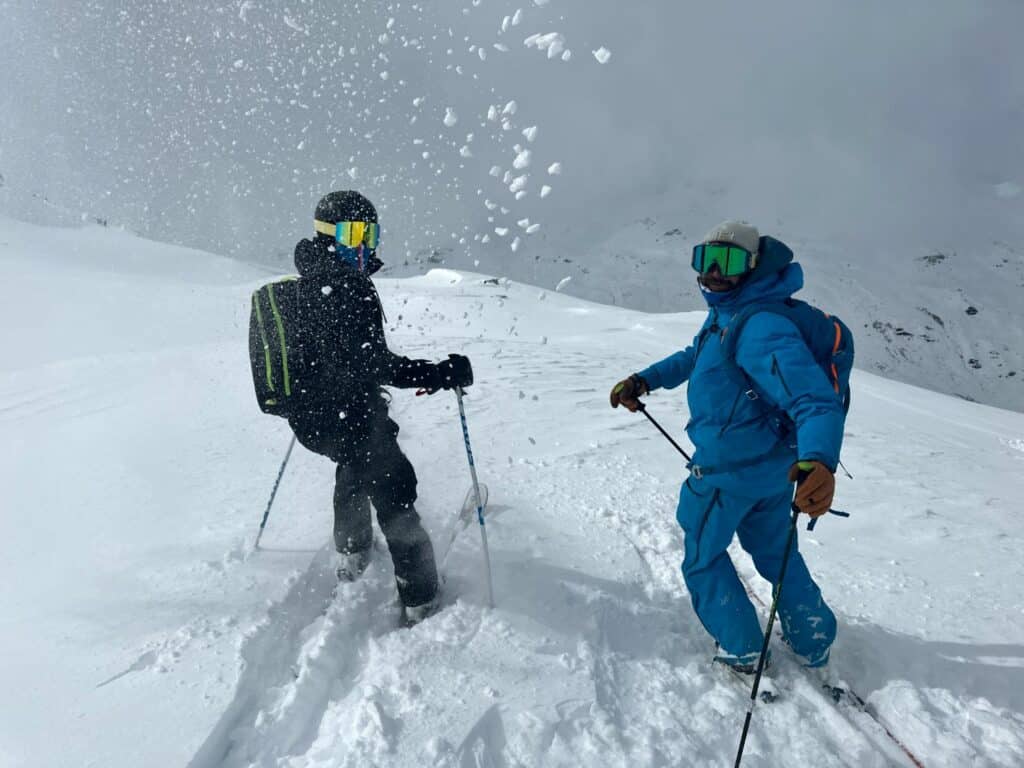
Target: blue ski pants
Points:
(709, 517)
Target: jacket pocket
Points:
(693, 517)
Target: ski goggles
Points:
(351, 234)
(732, 260)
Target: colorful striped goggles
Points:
(351, 234)
(732, 260)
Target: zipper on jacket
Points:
(380, 304)
(777, 372)
(704, 335)
(732, 412)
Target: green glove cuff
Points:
(805, 466)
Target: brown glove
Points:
(815, 487)
(627, 391)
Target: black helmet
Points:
(346, 205)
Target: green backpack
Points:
(275, 353)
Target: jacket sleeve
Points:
(774, 355)
(378, 362)
(670, 372)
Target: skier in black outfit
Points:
(343, 412)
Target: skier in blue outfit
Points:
(758, 422)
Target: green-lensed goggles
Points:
(351, 233)
(732, 260)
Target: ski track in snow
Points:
(195, 650)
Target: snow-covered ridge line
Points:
(136, 466)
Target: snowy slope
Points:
(140, 629)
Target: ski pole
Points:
(273, 493)
(479, 501)
(767, 635)
(643, 409)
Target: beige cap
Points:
(738, 233)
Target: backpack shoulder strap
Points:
(731, 332)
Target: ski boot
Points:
(414, 614)
(349, 566)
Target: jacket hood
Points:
(776, 286)
(313, 259)
(772, 256)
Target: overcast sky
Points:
(219, 127)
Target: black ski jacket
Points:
(346, 359)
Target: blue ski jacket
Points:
(750, 421)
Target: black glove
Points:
(455, 372)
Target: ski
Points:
(467, 513)
(850, 699)
(857, 710)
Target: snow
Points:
(141, 629)
(293, 24)
(603, 55)
(522, 159)
(551, 42)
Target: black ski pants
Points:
(372, 468)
